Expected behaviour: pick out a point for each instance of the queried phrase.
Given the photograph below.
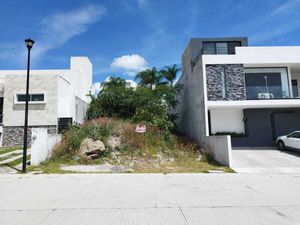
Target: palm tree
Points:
(112, 82)
(148, 77)
(169, 73)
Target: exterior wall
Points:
(81, 110)
(190, 109)
(227, 120)
(13, 136)
(42, 145)
(220, 148)
(235, 87)
(81, 77)
(65, 99)
(271, 56)
(39, 114)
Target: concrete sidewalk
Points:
(262, 160)
(150, 199)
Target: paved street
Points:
(150, 199)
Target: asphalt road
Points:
(150, 199)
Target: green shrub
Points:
(145, 104)
(75, 134)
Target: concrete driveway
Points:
(150, 199)
(265, 160)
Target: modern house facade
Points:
(251, 93)
(57, 98)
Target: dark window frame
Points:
(32, 98)
(229, 48)
(273, 67)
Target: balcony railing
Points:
(270, 92)
(217, 51)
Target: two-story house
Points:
(249, 92)
(57, 98)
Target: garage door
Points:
(285, 123)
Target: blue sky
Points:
(122, 37)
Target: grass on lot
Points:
(9, 149)
(16, 162)
(140, 165)
(52, 166)
(9, 156)
(187, 165)
(151, 152)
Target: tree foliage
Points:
(151, 102)
(114, 100)
(148, 77)
(169, 73)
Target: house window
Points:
(32, 98)
(295, 88)
(64, 123)
(220, 48)
(267, 83)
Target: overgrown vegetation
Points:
(74, 136)
(148, 152)
(150, 103)
(114, 114)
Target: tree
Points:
(114, 82)
(148, 77)
(169, 73)
(113, 100)
(143, 104)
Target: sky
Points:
(123, 37)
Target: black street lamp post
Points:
(29, 44)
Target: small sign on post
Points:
(140, 129)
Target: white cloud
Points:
(96, 88)
(283, 27)
(131, 64)
(59, 28)
(286, 8)
(56, 30)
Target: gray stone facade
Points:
(13, 136)
(234, 78)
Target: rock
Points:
(90, 148)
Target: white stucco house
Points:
(249, 92)
(57, 98)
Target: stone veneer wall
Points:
(234, 82)
(13, 136)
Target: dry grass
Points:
(153, 151)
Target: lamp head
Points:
(29, 43)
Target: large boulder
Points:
(91, 147)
